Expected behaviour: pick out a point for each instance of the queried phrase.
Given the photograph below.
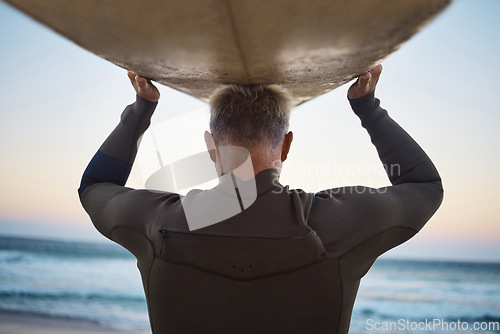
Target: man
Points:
(277, 260)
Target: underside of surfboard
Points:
(309, 47)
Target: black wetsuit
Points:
(263, 270)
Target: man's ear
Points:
(285, 148)
(209, 141)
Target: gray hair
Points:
(250, 116)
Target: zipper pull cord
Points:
(163, 232)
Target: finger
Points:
(364, 79)
(376, 71)
(141, 81)
(131, 75)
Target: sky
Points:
(59, 102)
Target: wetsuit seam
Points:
(93, 173)
(87, 188)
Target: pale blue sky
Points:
(59, 102)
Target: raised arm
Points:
(102, 192)
(114, 159)
(402, 157)
(361, 222)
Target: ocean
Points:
(100, 283)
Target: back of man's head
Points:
(250, 116)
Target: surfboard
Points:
(309, 47)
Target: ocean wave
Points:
(13, 257)
(30, 295)
(62, 249)
(407, 297)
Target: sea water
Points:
(101, 283)
(428, 297)
(91, 281)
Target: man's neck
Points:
(254, 163)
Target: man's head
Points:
(249, 116)
(255, 117)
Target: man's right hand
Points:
(144, 88)
(365, 84)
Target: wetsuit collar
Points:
(265, 181)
